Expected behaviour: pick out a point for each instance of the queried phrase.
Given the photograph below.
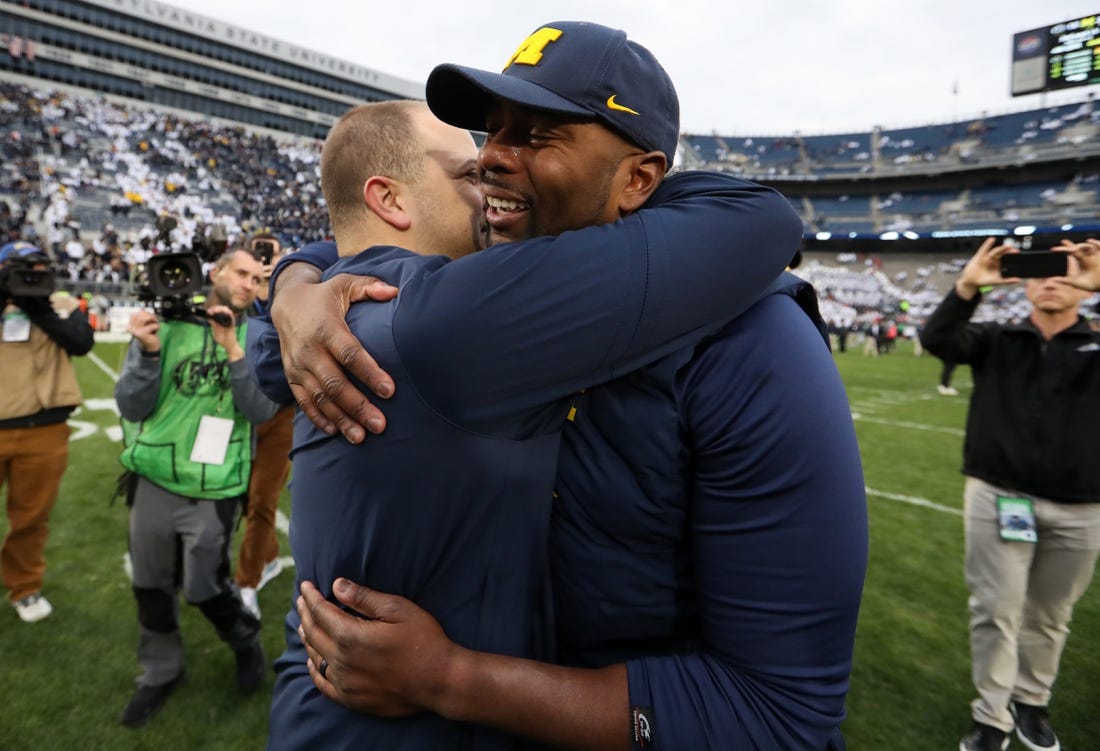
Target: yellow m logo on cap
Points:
(530, 52)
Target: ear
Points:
(386, 199)
(643, 173)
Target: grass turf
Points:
(67, 678)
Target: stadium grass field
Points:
(66, 679)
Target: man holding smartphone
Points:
(1032, 494)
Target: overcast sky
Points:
(765, 68)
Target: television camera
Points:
(168, 282)
(25, 271)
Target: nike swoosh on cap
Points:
(612, 104)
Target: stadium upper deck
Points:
(1036, 171)
(1027, 173)
(163, 55)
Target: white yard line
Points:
(913, 500)
(911, 425)
(103, 366)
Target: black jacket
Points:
(1034, 421)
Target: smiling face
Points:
(448, 206)
(543, 174)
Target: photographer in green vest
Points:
(188, 404)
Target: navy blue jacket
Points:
(720, 548)
(451, 505)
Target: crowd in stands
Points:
(102, 187)
(1052, 133)
(865, 151)
(97, 184)
(860, 294)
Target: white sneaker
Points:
(251, 602)
(273, 568)
(947, 390)
(33, 608)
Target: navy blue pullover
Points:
(726, 645)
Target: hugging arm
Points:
(398, 661)
(302, 352)
(779, 536)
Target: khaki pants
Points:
(870, 346)
(32, 461)
(270, 468)
(1022, 597)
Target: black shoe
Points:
(251, 666)
(984, 738)
(146, 701)
(1033, 727)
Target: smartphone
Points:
(266, 249)
(1028, 265)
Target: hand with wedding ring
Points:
(388, 663)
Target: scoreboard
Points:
(1054, 57)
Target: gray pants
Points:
(180, 543)
(1022, 596)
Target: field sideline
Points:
(66, 679)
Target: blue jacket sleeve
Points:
(520, 323)
(262, 350)
(265, 359)
(320, 254)
(778, 532)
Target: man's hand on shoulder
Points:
(317, 346)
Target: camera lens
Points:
(174, 276)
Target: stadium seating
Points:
(90, 169)
(888, 179)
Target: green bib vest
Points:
(194, 381)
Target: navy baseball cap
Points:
(22, 250)
(572, 68)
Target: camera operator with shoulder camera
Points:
(40, 391)
(1032, 492)
(188, 403)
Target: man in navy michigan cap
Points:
(707, 538)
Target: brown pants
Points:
(270, 469)
(32, 461)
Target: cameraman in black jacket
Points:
(39, 393)
(1032, 496)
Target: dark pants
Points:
(182, 544)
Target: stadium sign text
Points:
(185, 20)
